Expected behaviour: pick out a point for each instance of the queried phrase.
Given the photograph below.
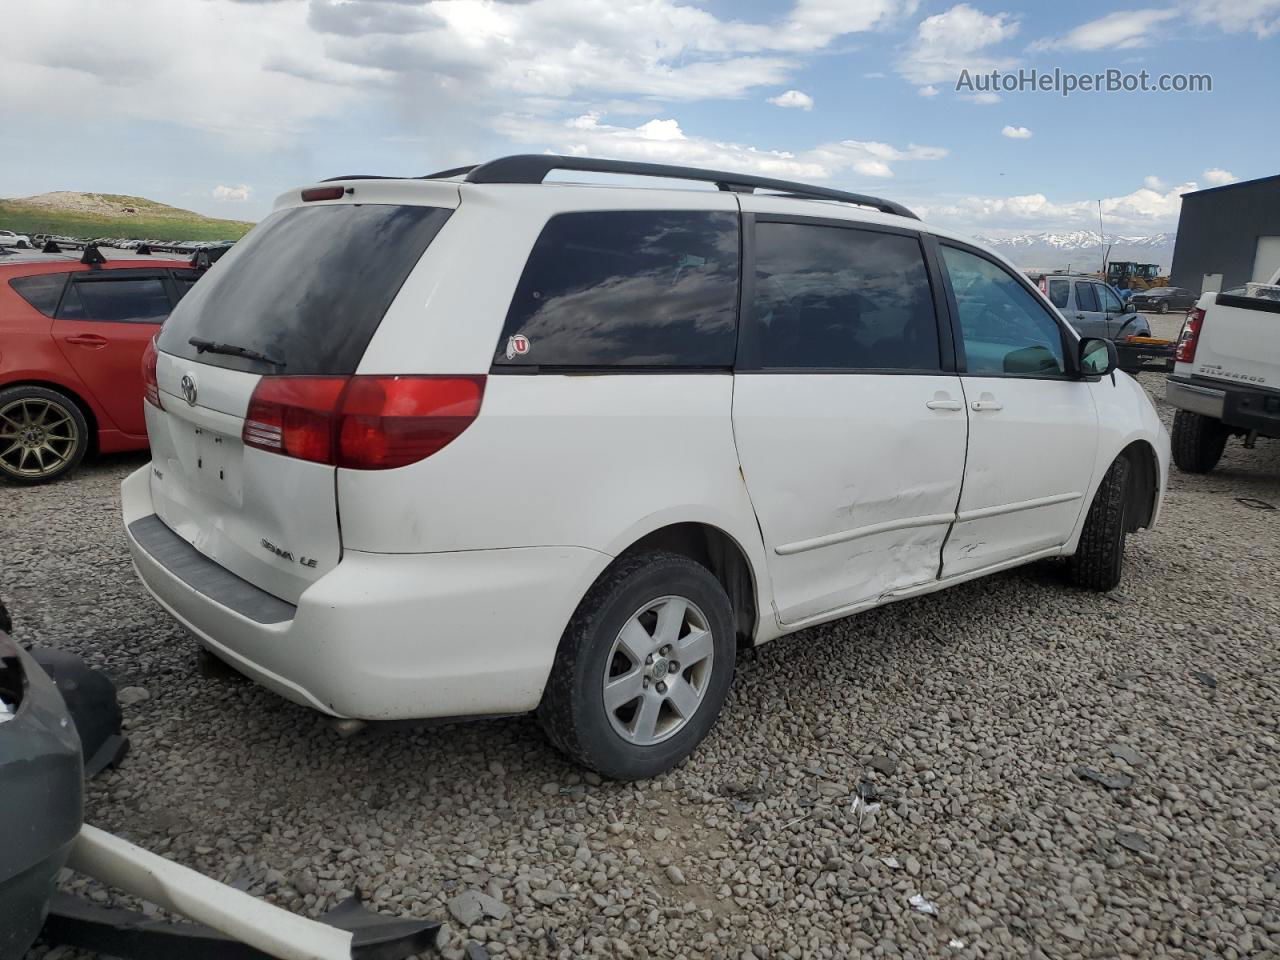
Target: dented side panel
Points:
(854, 479)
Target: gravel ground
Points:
(967, 713)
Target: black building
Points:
(1228, 236)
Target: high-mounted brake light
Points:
(362, 423)
(1190, 335)
(150, 381)
(323, 193)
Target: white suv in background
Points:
(477, 444)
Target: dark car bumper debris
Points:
(41, 792)
(1146, 353)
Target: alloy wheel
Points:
(37, 437)
(658, 671)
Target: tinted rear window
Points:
(1086, 298)
(831, 297)
(113, 300)
(41, 291)
(307, 287)
(636, 288)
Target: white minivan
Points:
(479, 444)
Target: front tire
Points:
(1163, 308)
(1099, 559)
(643, 668)
(43, 434)
(1198, 441)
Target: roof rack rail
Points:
(534, 167)
(451, 172)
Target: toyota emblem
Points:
(189, 388)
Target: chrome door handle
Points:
(987, 405)
(944, 404)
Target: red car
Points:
(71, 341)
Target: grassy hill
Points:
(112, 215)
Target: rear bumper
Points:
(1244, 408)
(1206, 401)
(389, 636)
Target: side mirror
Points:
(1098, 357)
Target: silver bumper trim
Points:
(1202, 400)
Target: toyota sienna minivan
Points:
(479, 444)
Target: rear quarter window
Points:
(42, 291)
(639, 289)
(1059, 292)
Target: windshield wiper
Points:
(232, 350)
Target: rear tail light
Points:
(150, 383)
(1190, 334)
(363, 423)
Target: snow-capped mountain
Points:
(1081, 249)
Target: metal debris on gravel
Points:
(986, 693)
(1112, 781)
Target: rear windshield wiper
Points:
(230, 349)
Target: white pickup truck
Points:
(1226, 374)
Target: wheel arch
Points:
(720, 553)
(1144, 483)
(81, 400)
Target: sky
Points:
(220, 105)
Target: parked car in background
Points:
(10, 239)
(1226, 381)
(604, 456)
(71, 343)
(1092, 307)
(1163, 299)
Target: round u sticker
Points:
(517, 346)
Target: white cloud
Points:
(1261, 17)
(985, 98)
(793, 98)
(929, 91)
(564, 48)
(1218, 177)
(238, 194)
(1122, 30)
(1143, 209)
(208, 66)
(257, 75)
(955, 40)
(1153, 182)
(1016, 133)
(663, 141)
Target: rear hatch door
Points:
(300, 296)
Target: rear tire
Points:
(613, 711)
(1198, 441)
(43, 434)
(1099, 558)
